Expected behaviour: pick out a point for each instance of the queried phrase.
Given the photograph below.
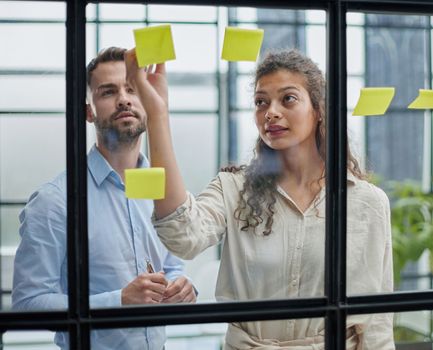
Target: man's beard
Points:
(120, 134)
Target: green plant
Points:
(412, 224)
(412, 236)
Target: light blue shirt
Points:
(121, 238)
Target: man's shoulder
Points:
(51, 191)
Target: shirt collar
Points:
(101, 169)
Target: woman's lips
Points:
(275, 130)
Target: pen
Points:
(149, 266)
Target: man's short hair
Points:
(105, 55)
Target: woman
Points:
(270, 214)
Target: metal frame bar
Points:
(76, 167)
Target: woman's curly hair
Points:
(258, 197)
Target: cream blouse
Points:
(289, 262)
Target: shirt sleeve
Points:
(196, 224)
(379, 334)
(173, 267)
(40, 267)
(41, 255)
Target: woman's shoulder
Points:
(232, 176)
(370, 194)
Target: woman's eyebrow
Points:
(285, 88)
(290, 87)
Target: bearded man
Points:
(122, 240)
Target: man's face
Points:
(114, 107)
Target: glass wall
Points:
(212, 121)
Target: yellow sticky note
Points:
(145, 183)
(374, 101)
(423, 101)
(242, 44)
(154, 45)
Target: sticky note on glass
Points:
(154, 45)
(423, 101)
(242, 44)
(145, 183)
(374, 100)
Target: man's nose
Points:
(123, 99)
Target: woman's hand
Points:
(150, 83)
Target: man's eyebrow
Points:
(106, 86)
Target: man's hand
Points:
(147, 288)
(179, 291)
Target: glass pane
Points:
(200, 169)
(354, 86)
(375, 330)
(91, 12)
(32, 10)
(316, 45)
(117, 35)
(246, 14)
(245, 92)
(356, 135)
(355, 50)
(355, 18)
(246, 135)
(389, 225)
(9, 226)
(396, 20)
(413, 330)
(26, 141)
(195, 48)
(197, 336)
(42, 93)
(48, 39)
(315, 16)
(29, 340)
(391, 50)
(183, 89)
(170, 13)
(301, 332)
(123, 12)
(7, 261)
(267, 15)
(91, 40)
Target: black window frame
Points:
(79, 319)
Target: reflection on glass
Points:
(29, 340)
(122, 12)
(182, 13)
(411, 218)
(398, 146)
(413, 330)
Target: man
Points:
(122, 241)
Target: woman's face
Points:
(284, 115)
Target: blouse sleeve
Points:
(195, 225)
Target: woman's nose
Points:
(272, 114)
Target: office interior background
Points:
(212, 121)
